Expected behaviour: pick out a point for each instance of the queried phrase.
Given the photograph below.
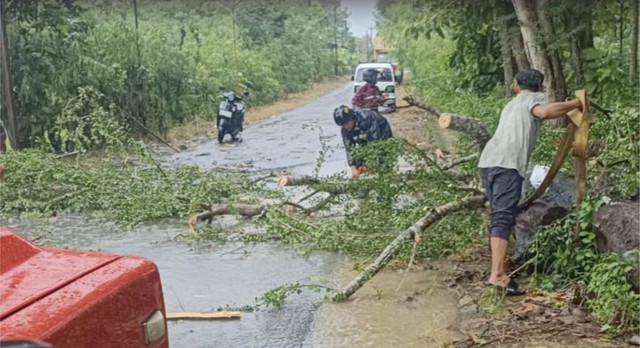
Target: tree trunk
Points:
(467, 125)
(506, 53)
(536, 52)
(519, 52)
(633, 68)
(581, 38)
(577, 58)
(410, 233)
(560, 86)
(8, 111)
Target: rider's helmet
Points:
(370, 76)
(343, 114)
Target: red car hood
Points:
(38, 271)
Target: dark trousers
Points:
(504, 187)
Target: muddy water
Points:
(420, 313)
(395, 309)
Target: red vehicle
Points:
(75, 299)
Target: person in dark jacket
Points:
(368, 96)
(360, 127)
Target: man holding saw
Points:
(504, 160)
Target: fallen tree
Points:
(463, 124)
(410, 233)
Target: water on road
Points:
(419, 313)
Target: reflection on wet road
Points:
(291, 142)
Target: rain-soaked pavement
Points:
(291, 142)
(209, 277)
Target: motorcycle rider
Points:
(360, 127)
(368, 96)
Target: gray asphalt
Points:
(291, 142)
(206, 278)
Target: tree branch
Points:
(410, 233)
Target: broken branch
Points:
(410, 233)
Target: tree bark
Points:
(505, 50)
(7, 85)
(466, 125)
(560, 90)
(536, 52)
(519, 52)
(581, 38)
(431, 111)
(410, 233)
(633, 68)
(296, 180)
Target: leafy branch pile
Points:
(130, 193)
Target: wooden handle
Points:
(203, 315)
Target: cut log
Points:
(467, 125)
(410, 233)
(303, 180)
(297, 180)
(204, 315)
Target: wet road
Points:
(206, 278)
(291, 142)
(213, 277)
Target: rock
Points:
(554, 204)
(618, 231)
(635, 340)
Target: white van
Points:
(386, 80)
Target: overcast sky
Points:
(362, 15)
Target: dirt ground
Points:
(537, 319)
(423, 131)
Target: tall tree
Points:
(533, 21)
(633, 68)
(581, 25)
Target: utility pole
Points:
(6, 80)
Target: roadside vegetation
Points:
(463, 56)
(89, 83)
(161, 63)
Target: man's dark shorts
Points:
(504, 187)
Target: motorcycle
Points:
(230, 115)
